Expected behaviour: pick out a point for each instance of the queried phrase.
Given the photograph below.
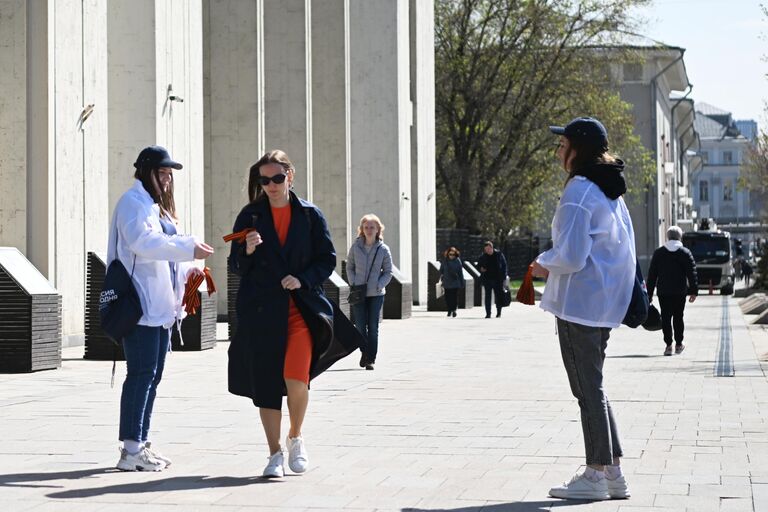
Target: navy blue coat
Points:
(257, 352)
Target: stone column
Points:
(13, 124)
(380, 120)
(287, 86)
(330, 120)
(422, 36)
(234, 118)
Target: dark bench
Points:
(30, 316)
(98, 347)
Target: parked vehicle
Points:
(711, 248)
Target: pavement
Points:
(461, 414)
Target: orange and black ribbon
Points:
(191, 299)
(238, 236)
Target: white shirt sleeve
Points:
(571, 239)
(138, 234)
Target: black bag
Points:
(357, 291)
(506, 297)
(653, 322)
(357, 294)
(119, 304)
(637, 312)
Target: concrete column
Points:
(77, 222)
(13, 124)
(39, 100)
(380, 120)
(132, 75)
(234, 120)
(423, 198)
(287, 85)
(156, 95)
(330, 120)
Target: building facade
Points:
(345, 87)
(716, 182)
(656, 84)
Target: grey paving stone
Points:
(460, 414)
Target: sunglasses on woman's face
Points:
(276, 179)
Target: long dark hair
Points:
(587, 153)
(150, 178)
(275, 156)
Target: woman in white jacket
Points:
(144, 236)
(590, 274)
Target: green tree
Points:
(505, 70)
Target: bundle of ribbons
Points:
(191, 300)
(525, 294)
(238, 236)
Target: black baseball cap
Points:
(584, 128)
(156, 157)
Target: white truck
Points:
(711, 248)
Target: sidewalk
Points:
(460, 414)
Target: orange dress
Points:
(298, 350)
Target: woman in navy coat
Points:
(282, 266)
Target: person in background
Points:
(369, 262)
(452, 277)
(493, 268)
(746, 271)
(144, 235)
(591, 274)
(672, 274)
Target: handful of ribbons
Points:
(525, 294)
(191, 300)
(238, 236)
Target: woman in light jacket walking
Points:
(591, 271)
(452, 277)
(369, 262)
(144, 236)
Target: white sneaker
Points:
(275, 465)
(157, 455)
(618, 489)
(141, 461)
(581, 488)
(297, 454)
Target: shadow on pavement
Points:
(20, 479)
(178, 483)
(524, 506)
(35, 480)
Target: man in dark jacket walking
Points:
(673, 274)
(493, 267)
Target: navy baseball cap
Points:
(156, 157)
(584, 128)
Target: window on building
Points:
(704, 191)
(633, 72)
(728, 191)
(705, 156)
(727, 157)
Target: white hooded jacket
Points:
(137, 221)
(592, 262)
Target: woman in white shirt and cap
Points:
(590, 273)
(144, 236)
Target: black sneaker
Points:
(498, 314)
(363, 361)
(487, 315)
(449, 314)
(369, 366)
(454, 314)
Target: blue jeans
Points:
(583, 351)
(366, 317)
(145, 350)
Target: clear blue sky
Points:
(726, 42)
